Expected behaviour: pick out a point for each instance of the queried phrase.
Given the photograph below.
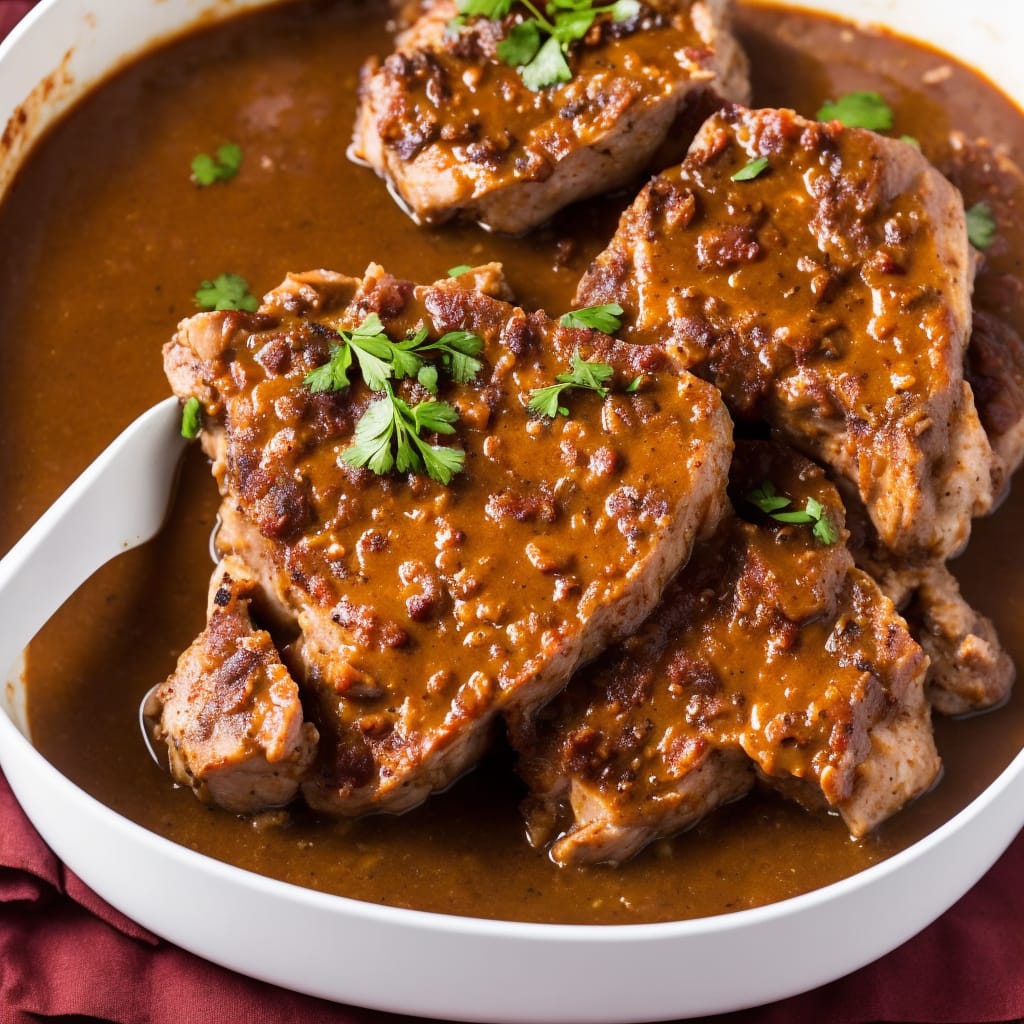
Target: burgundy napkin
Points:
(64, 951)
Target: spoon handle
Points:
(118, 502)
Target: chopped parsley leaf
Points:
(539, 44)
(387, 437)
(585, 375)
(766, 498)
(605, 319)
(222, 166)
(752, 170)
(191, 418)
(227, 291)
(981, 225)
(859, 110)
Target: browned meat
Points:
(969, 670)
(770, 653)
(829, 295)
(988, 177)
(456, 131)
(230, 714)
(420, 611)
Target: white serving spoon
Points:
(120, 501)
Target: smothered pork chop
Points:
(770, 657)
(821, 277)
(433, 541)
(492, 119)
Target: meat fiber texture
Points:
(457, 132)
(410, 613)
(829, 296)
(770, 658)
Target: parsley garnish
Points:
(228, 291)
(911, 141)
(768, 500)
(859, 110)
(387, 437)
(539, 44)
(380, 359)
(191, 418)
(751, 170)
(222, 166)
(981, 225)
(598, 318)
(590, 376)
(462, 268)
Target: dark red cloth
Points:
(63, 951)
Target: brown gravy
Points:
(105, 242)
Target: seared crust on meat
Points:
(985, 174)
(456, 132)
(969, 670)
(771, 653)
(230, 714)
(828, 296)
(422, 611)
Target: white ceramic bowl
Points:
(460, 968)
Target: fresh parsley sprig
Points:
(588, 376)
(380, 359)
(768, 500)
(539, 44)
(606, 318)
(387, 437)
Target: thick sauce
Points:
(106, 241)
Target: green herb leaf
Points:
(598, 318)
(825, 531)
(427, 377)
(548, 68)
(623, 10)
(634, 385)
(589, 376)
(751, 170)
(539, 44)
(768, 500)
(227, 291)
(380, 359)
(981, 225)
(222, 166)
(458, 354)
(859, 110)
(191, 418)
(911, 141)
(387, 437)
(462, 268)
(520, 46)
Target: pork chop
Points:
(230, 715)
(993, 184)
(456, 131)
(769, 655)
(420, 608)
(820, 276)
